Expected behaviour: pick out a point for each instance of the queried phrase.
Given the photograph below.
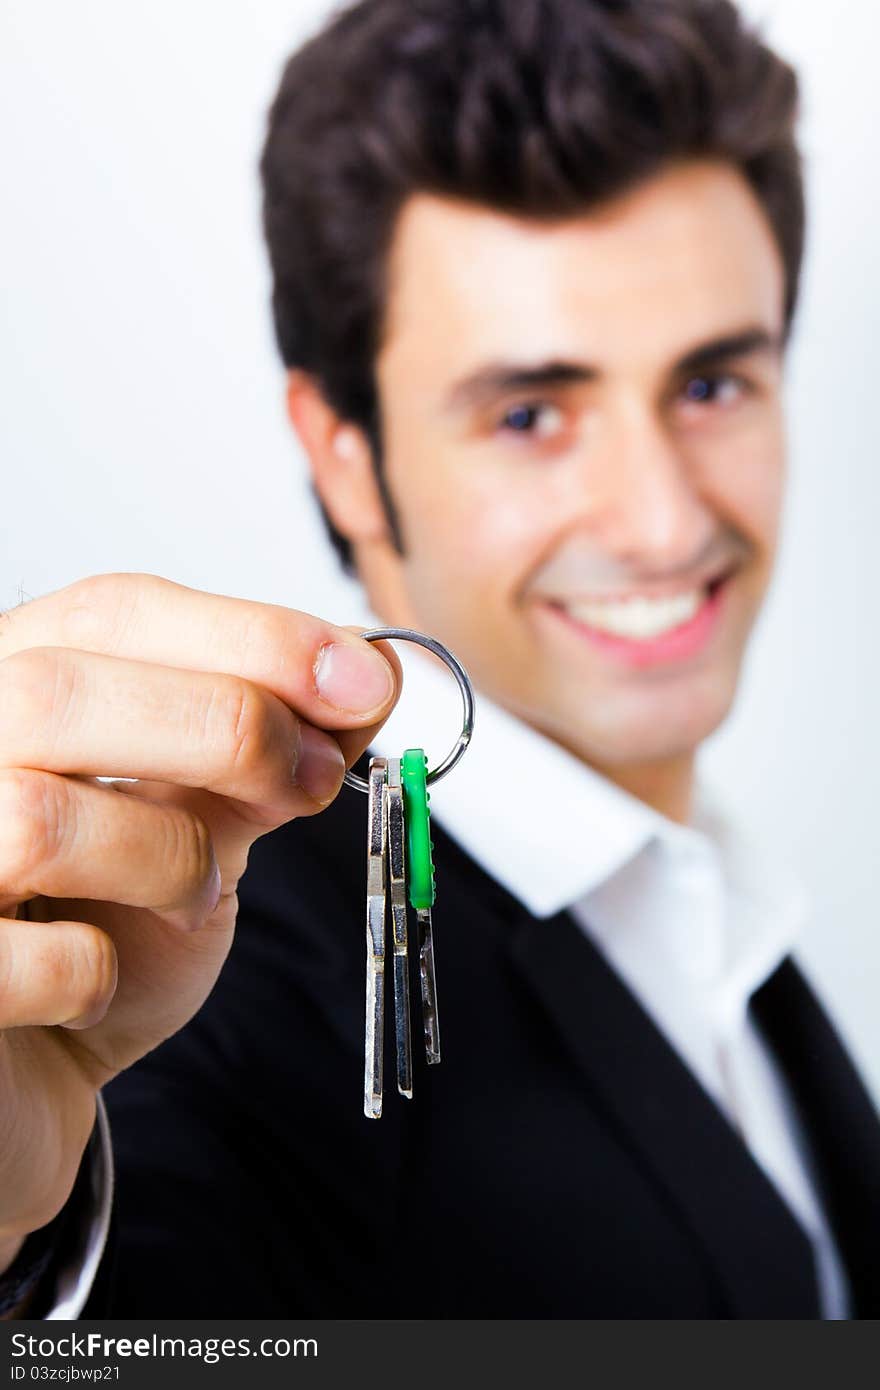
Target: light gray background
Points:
(142, 419)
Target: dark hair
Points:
(536, 107)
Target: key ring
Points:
(408, 634)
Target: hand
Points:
(235, 717)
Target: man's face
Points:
(584, 444)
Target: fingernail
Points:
(353, 677)
(88, 1020)
(214, 888)
(190, 919)
(320, 765)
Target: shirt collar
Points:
(766, 905)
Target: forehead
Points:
(685, 256)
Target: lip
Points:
(709, 576)
(679, 644)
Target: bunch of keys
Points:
(400, 870)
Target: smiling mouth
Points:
(649, 626)
(641, 617)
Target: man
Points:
(535, 266)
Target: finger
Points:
(328, 674)
(67, 838)
(68, 711)
(55, 972)
(354, 742)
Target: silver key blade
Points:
(428, 976)
(397, 888)
(374, 1030)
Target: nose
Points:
(641, 499)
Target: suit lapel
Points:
(840, 1119)
(762, 1258)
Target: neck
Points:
(666, 786)
(378, 570)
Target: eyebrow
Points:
(496, 379)
(744, 344)
(501, 378)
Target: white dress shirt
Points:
(690, 917)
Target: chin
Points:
(669, 725)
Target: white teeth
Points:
(638, 617)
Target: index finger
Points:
(328, 674)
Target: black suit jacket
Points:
(562, 1161)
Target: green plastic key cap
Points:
(420, 865)
(420, 874)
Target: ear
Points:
(341, 462)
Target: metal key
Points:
(421, 889)
(374, 1031)
(396, 863)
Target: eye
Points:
(536, 418)
(708, 389)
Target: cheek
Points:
(744, 480)
(471, 528)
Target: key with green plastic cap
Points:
(396, 832)
(420, 886)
